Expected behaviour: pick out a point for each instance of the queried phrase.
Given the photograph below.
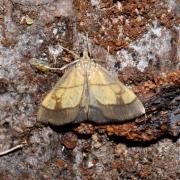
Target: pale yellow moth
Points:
(87, 91)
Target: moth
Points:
(87, 91)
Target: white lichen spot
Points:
(55, 51)
(55, 30)
(90, 164)
(155, 43)
(172, 5)
(125, 59)
(40, 41)
(95, 3)
(65, 7)
(142, 65)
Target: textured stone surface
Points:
(143, 38)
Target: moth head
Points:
(85, 56)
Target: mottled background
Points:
(143, 40)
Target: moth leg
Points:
(45, 68)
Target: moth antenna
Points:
(71, 52)
(107, 54)
(89, 50)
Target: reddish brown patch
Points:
(145, 171)
(69, 140)
(150, 88)
(60, 163)
(85, 128)
(120, 22)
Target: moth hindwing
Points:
(87, 91)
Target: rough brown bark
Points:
(143, 38)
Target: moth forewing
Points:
(62, 103)
(110, 100)
(88, 91)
